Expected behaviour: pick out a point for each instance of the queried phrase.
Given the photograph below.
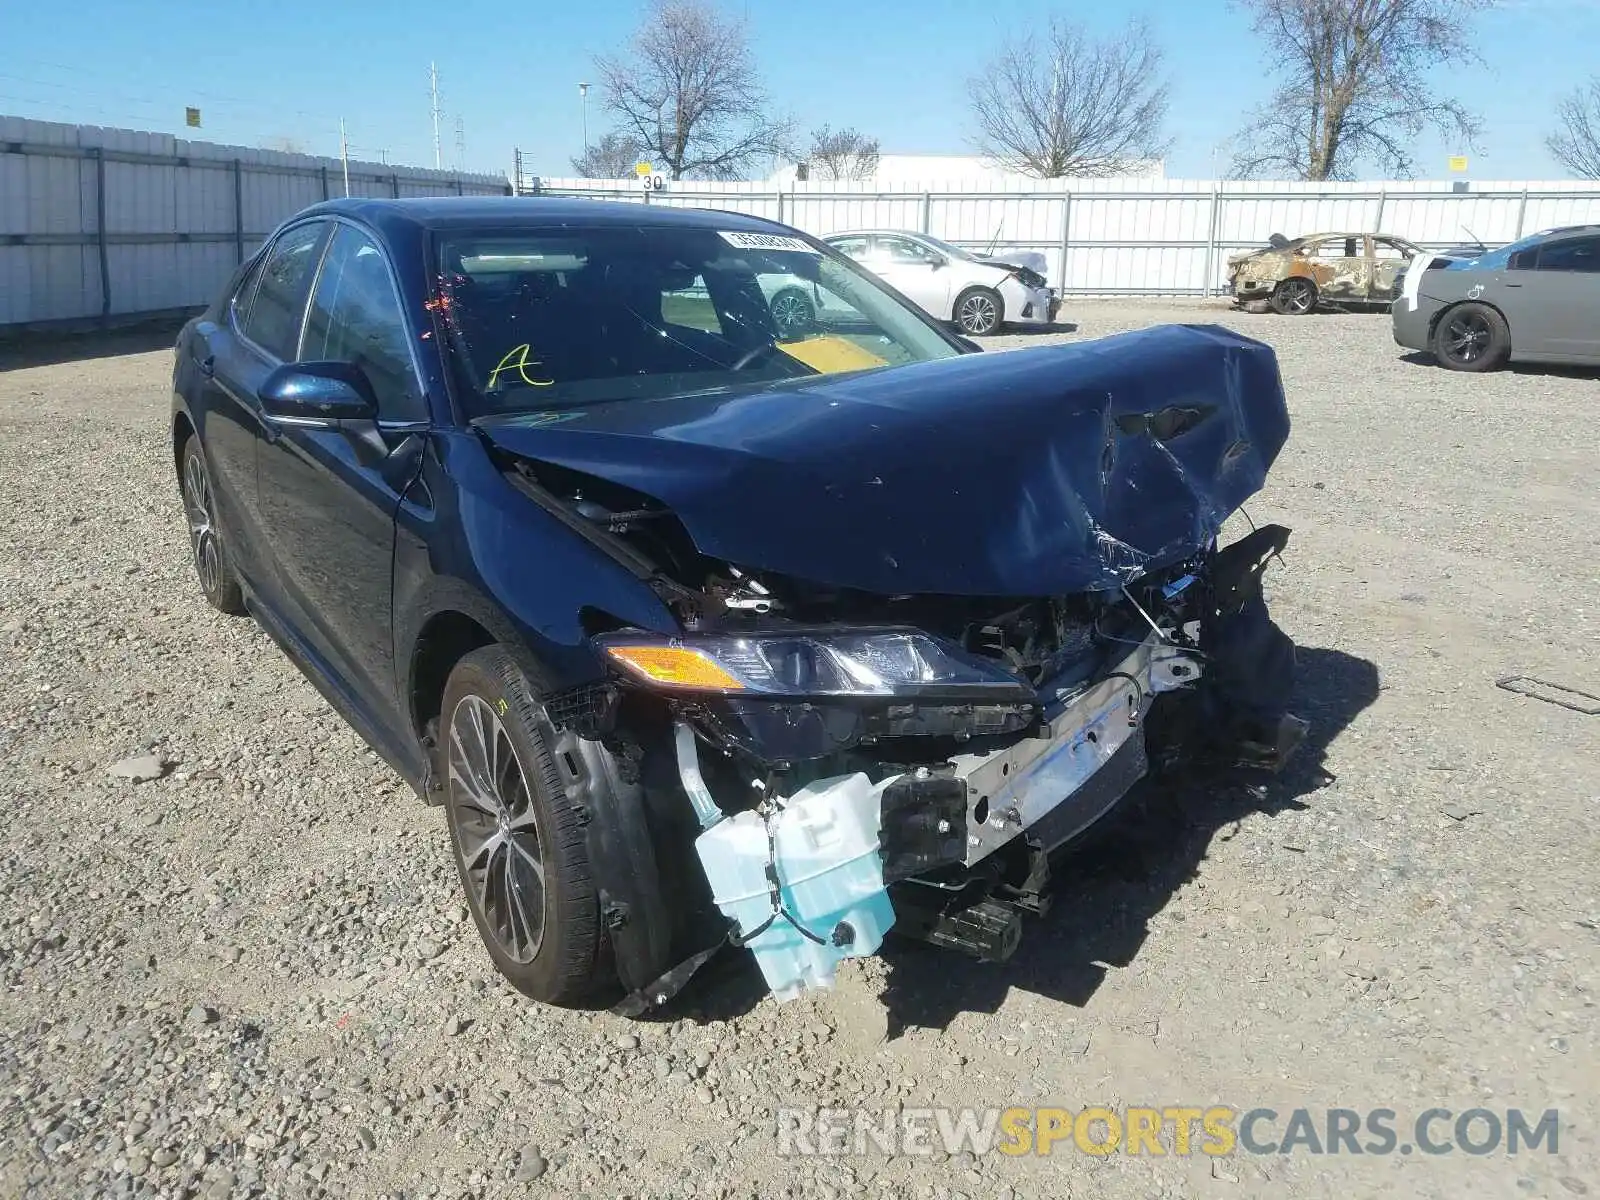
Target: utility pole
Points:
(583, 93)
(433, 90)
(344, 155)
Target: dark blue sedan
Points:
(711, 627)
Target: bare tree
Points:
(1576, 144)
(845, 155)
(686, 88)
(1064, 104)
(614, 156)
(1353, 84)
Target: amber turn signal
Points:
(674, 666)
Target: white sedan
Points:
(980, 294)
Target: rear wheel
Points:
(212, 566)
(793, 314)
(1471, 337)
(1294, 297)
(519, 845)
(980, 311)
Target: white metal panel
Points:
(58, 197)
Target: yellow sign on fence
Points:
(191, 118)
(641, 169)
(1458, 162)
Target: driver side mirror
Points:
(325, 395)
(320, 393)
(936, 261)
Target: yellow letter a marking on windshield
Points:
(518, 360)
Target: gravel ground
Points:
(253, 975)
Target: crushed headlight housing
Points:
(800, 662)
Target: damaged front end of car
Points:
(820, 759)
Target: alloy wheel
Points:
(202, 530)
(498, 831)
(1466, 337)
(791, 313)
(977, 314)
(1298, 297)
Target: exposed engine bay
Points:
(859, 762)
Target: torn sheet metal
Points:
(1016, 788)
(1045, 471)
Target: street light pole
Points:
(583, 91)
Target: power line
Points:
(254, 107)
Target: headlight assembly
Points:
(799, 663)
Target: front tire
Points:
(1294, 297)
(212, 566)
(980, 311)
(1471, 337)
(518, 843)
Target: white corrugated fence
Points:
(98, 223)
(1136, 237)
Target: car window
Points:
(950, 248)
(273, 322)
(1503, 257)
(355, 317)
(1385, 250)
(1574, 254)
(542, 319)
(851, 247)
(1333, 248)
(239, 301)
(691, 307)
(905, 252)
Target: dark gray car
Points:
(1536, 300)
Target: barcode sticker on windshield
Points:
(768, 241)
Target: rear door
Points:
(914, 270)
(1561, 300)
(328, 507)
(234, 354)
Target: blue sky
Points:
(894, 68)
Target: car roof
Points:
(1347, 233)
(528, 212)
(839, 233)
(1563, 230)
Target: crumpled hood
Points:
(1037, 472)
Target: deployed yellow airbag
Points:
(830, 355)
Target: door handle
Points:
(208, 366)
(1513, 285)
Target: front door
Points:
(1389, 258)
(234, 354)
(1561, 300)
(918, 273)
(328, 502)
(1340, 266)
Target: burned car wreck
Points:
(707, 628)
(930, 624)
